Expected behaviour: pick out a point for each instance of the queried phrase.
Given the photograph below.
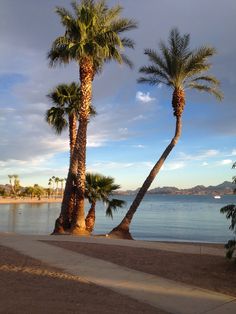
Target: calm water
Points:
(159, 217)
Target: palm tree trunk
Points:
(122, 230)
(72, 136)
(63, 222)
(90, 218)
(72, 132)
(86, 78)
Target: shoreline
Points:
(28, 200)
(99, 236)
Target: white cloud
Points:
(138, 146)
(137, 118)
(205, 164)
(175, 165)
(123, 130)
(113, 165)
(226, 162)
(144, 97)
(201, 155)
(233, 152)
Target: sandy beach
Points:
(29, 283)
(25, 200)
(205, 271)
(30, 286)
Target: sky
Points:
(134, 123)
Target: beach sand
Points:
(29, 286)
(9, 200)
(215, 273)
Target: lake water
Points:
(159, 217)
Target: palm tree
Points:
(10, 176)
(53, 183)
(179, 68)
(65, 113)
(91, 38)
(15, 184)
(230, 211)
(99, 188)
(57, 180)
(49, 184)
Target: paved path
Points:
(168, 295)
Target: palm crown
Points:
(92, 31)
(179, 67)
(66, 98)
(99, 188)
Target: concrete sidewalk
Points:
(168, 295)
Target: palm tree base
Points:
(79, 231)
(117, 233)
(58, 229)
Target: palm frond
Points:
(113, 205)
(204, 88)
(123, 25)
(127, 42)
(58, 56)
(126, 60)
(152, 80)
(209, 79)
(156, 59)
(230, 211)
(196, 63)
(153, 70)
(56, 118)
(65, 16)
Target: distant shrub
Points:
(230, 211)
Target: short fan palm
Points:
(179, 68)
(100, 188)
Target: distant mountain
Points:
(226, 187)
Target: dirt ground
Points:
(28, 286)
(205, 271)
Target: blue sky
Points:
(134, 122)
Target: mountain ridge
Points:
(223, 188)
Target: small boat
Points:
(217, 196)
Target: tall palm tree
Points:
(10, 176)
(91, 38)
(49, 184)
(53, 182)
(100, 188)
(179, 68)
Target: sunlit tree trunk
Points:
(71, 203)
(86, 78)
(90, 218)
(122, 230)
(63, 222)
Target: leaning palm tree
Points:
(100, 188)
(92, 37)
(179, 68)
